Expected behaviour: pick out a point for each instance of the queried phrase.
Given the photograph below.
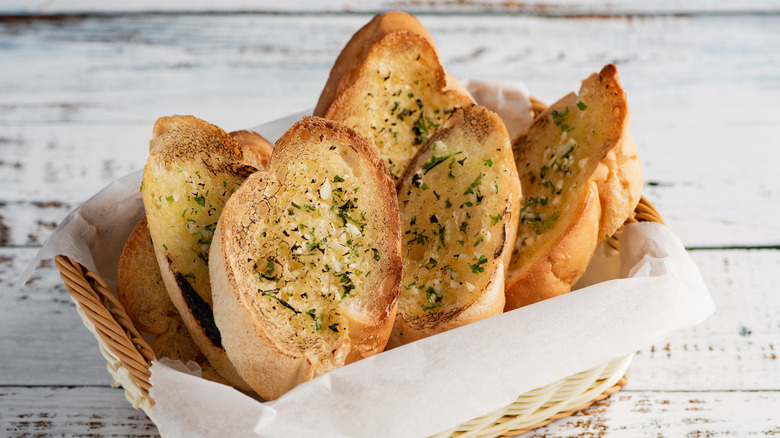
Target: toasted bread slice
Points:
(459, 202)
(140, 287)
(141, 290)
(580, 175)
(305, 263)
(389, 85)
(193, 168)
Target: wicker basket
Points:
(129, 357)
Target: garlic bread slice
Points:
(389, 85)
(579, 170)
(459, 202)
(305, 263)
(142, 292)
(193, 168)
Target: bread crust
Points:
(188, 160)
(256, 150)
(389, 85)
(561, 263)
(348, 62)
(609, 183)
(620, 182)
(490, 302)
(140, 287)
(269, 355)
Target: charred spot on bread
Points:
(500, 248)
(192, 169)
(199, 309)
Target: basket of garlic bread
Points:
(399, 213)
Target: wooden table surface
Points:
(81, 85)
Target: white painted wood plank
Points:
(100, 82)
(135, 68)
(736, 348)
(103, 412)
(42, 338)
(71, 412)
(673, 414)
(311, 6)
(68, 162)
(24, 223)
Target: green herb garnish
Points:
(477, 267)
(435, 161)
(473, 185)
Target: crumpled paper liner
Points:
(507, 99)
(430, 385)
(436, 383)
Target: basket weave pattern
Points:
(129, 357)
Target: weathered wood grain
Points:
(98, 84)
(71, 412)
(673, 414)
(548, 7)
(79, 95)
(738, 346)
(43, 340)
(103, 412)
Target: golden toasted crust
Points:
(554, 271)
(192, 169)
(256, 149)
(459, 202)
(389, 86)
(355, 51)
(140, 287)
(620, 182)
(580, 175)
(305, 260)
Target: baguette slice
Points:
(389, 85)
(305, 263)
(193, 168)
(459, 201)
(141, 290)
(580, 174)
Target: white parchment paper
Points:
(430, 385)
(436, 383)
